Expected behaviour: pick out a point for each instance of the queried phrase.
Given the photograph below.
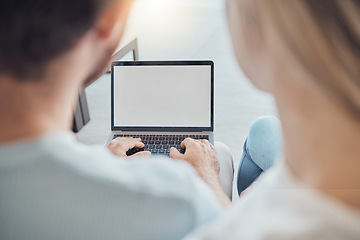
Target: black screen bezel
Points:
(163, 63)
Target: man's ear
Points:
(113, 18)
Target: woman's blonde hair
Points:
(324, 36)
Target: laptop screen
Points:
(162, 95)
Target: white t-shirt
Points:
(56, 188)
(281, 207)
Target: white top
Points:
(280, 207)
(56, 188)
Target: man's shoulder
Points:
(156, 181)
(62, 153)
(156, 175)
(87, 182)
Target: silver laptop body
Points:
(162, 102)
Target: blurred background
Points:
(186, 30)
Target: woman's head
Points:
(319, 37)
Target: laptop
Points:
(162, 102)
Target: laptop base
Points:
(160, 143)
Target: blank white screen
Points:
(162, 96)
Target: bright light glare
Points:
(156, 3)
(168, 29)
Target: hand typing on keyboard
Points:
(127, 146)
(161, 143)
(202, 156)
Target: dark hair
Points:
(35, 32)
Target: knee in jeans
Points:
(263, 125)
(264, 141)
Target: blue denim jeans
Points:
(261, 148)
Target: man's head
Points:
(35, 33)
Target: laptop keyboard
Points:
(161, 144)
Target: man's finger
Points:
(206, 142)
(141, 154)
(133, 142)
(187, 142)
(175, 154)
(139, 144)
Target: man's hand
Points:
(202, 156)
(120, 146)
